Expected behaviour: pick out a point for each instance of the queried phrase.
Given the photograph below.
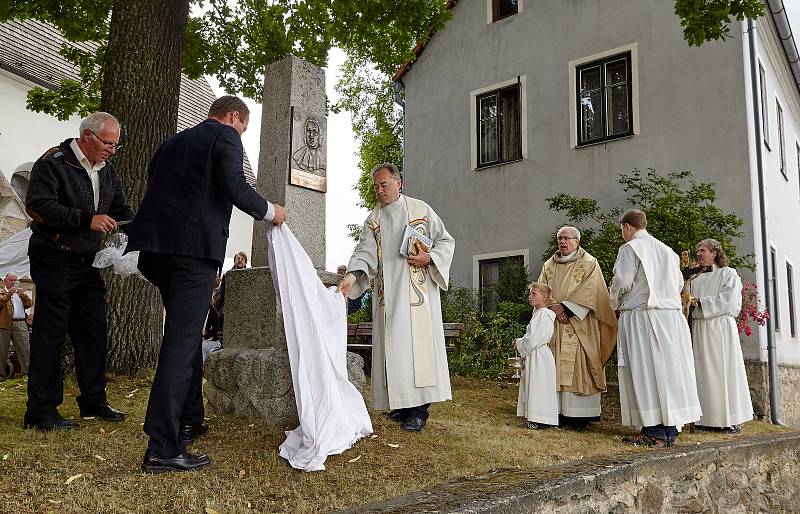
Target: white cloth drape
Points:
(332, 412)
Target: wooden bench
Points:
(451, 330)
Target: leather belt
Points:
(17, 319)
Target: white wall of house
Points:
(26, 135)
(781, 187)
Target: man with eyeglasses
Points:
(74, 197)
(586, 330)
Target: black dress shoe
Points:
(191, 432)
(105, 412)
(413, 424)
(399, 415)
(50, 424)
(184, 462)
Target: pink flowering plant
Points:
(751, 309)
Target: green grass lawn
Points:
(96, 468)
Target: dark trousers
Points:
(70, 299)
(176, 399)
(665, 433)
(420, 411)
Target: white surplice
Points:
(397, 358)
(719, 365)
(656, 366)
(537, 400)
(333, 415)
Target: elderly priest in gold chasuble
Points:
(585, 332)
(405, 248)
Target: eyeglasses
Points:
(109, 144)
(564, 238)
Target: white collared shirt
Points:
(91, 170)
(19, 308)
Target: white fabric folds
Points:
(332, 412)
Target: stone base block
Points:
(258, 382)
(789, 379)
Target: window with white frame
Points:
(762, 75)
(604, 99)
(489, 271)
(790, 290)
(504, 8)
(499, 129)
(797, 153)
(781, 142)
(773, 268)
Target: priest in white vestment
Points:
(719, 365)
(537, 401)
(657, 384)
(586, 333)
(409, 361)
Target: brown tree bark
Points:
(141, 84)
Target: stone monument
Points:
(251, 376)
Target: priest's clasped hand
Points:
(558, 309)
(346, 284)
(420, 260)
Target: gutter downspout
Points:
(398, 87)
(772, 364)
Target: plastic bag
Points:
(111, 255)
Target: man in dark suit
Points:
(181, 230)
(75, 198)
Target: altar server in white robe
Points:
(719, 365)
(409, 361)
(657, 384)
(538, 400)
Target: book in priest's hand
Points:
(414, 242)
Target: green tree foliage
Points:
(680, 212)
(709, 20)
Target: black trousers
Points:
(70, 299)
(176, 399)
(420, 411)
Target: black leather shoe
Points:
(191, 432)
(184, 462)
(50, 424)
(399, 416)
(413, 424)
(105, 412)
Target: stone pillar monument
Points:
(251, 376)
(292, 162)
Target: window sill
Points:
(497, 165)
(604, 141)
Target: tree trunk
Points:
(141, 84)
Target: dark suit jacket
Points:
(194, 179)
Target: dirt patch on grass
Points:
(474, 434)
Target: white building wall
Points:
(782, 192)
(25, 135)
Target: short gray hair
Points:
(95, 120)
(575, 232)
(386, 166)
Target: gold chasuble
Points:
(582, 346)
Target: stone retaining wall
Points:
(760, 474)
